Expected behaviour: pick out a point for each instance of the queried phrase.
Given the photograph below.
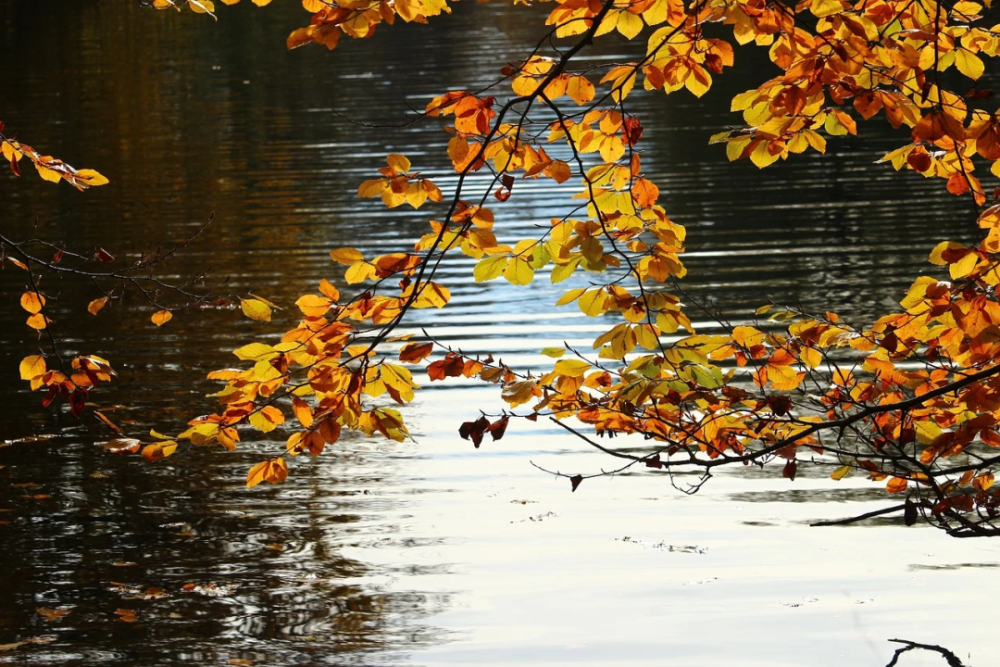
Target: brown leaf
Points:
(123, 445)
(127, 615)
(498, 428)
(909, 513)
(474, 430)
(110, 424)
(52, 615)
(413, 353)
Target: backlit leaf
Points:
(256, 310)
(161, 317)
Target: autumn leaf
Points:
(32, 302)
(414, 353)
(32, 367)
(53, 615)
(158, 450)
(161, 317)
(272, 471)
(123, 446)
(127, 615)
(255, 309)
(96, 305)
(346, 256)
(896, 485)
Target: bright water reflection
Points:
(429, 552)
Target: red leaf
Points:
(474, 430)
(909, 513)
(632, 130)
(498, 428)
(76, 401)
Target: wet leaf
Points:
(127, 615)
(53, 615)
(123, 446)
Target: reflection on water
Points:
(426, 552)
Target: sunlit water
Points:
(428, 552)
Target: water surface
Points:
(427, 552)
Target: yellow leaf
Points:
(50, 175)
(92, 178)
(327, 288)
(398, 162)
(266, 419)
(748, 336)
(302, 412)
(927, 431)
(269, 471)
(554, 352)
(571, 367)
(313, 305)
(159, 450)
(580, 89)
(983, 482)
(256, 310)
(592, 303)
(629, 24)
(969, 64)
(841, 472)
(518, 272)
(201, 6)
(489, 268)
(823, 8)
(161, 317)
(359, 272)
(346, 256)
(811, 357)
(33, 366)
(255, 352)
(964, 266)
(570, 296)
(258, 474)
(937, 254)
(11, 153)
(373, 188)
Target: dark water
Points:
(426, 552)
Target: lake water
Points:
(427, 552)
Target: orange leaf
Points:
(32, 302)
(161, 317)
(95, 306)
(896, 485)
(159, 450)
